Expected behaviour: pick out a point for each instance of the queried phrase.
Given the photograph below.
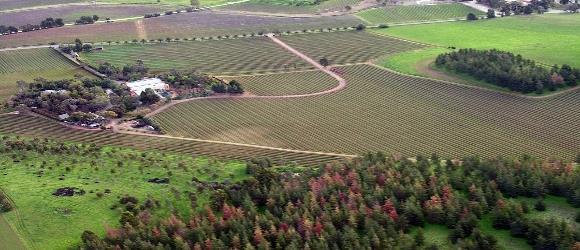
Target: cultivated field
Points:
(347, 47)
(416, 13)
(123, 172)
(71, 13)
(16, 4)
(186, 25)
(29, 64)
(272, 7)
(552, 39)
(285, 84)
(43, 128)
(381, 110)
(223, 56)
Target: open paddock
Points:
(73, 12)
(186, 25)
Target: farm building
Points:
(149, 83)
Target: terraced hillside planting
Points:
(233, 55)
(347, 47)
(43, 128)
(29, 64)
(186, 25)
(285, 84)
(381, 110)
(416, 13)
(72, 13)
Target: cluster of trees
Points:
(7, 29)
(44, 24)
(87, 19)
(82, 99)
(571, 6)
(517, 8)
(508, 70)
(77, 47)
(372, 202)
(191, 83)
(127, 73)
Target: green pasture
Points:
(30, 178)
(549, 39)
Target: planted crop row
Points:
(31, 60)
(286, 83)
(39, 127)
(415, 13)
(29, 64)
(235, 55)
(347, 47)
(382, 110)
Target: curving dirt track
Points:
(341, 82)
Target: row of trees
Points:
(44, 24)
(508, 70)
(372, 202)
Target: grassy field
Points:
(9, 239)
(286, 84)
(185, 25)
(552, 39)
(44, 128)
(235, 55)
(416, 13)
(381, 110)
(347, 47)
(30, 64)
(123, 172)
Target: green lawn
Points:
(416, 13)
(549, 39)
(30, 178)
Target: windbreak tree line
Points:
(508, 70)
(44, 24)
(372, 202)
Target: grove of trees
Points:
(373, 202)
(508, 70)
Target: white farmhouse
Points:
(148, 83)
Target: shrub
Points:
(540, 205)
(471, 17)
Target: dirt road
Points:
(341, 82)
